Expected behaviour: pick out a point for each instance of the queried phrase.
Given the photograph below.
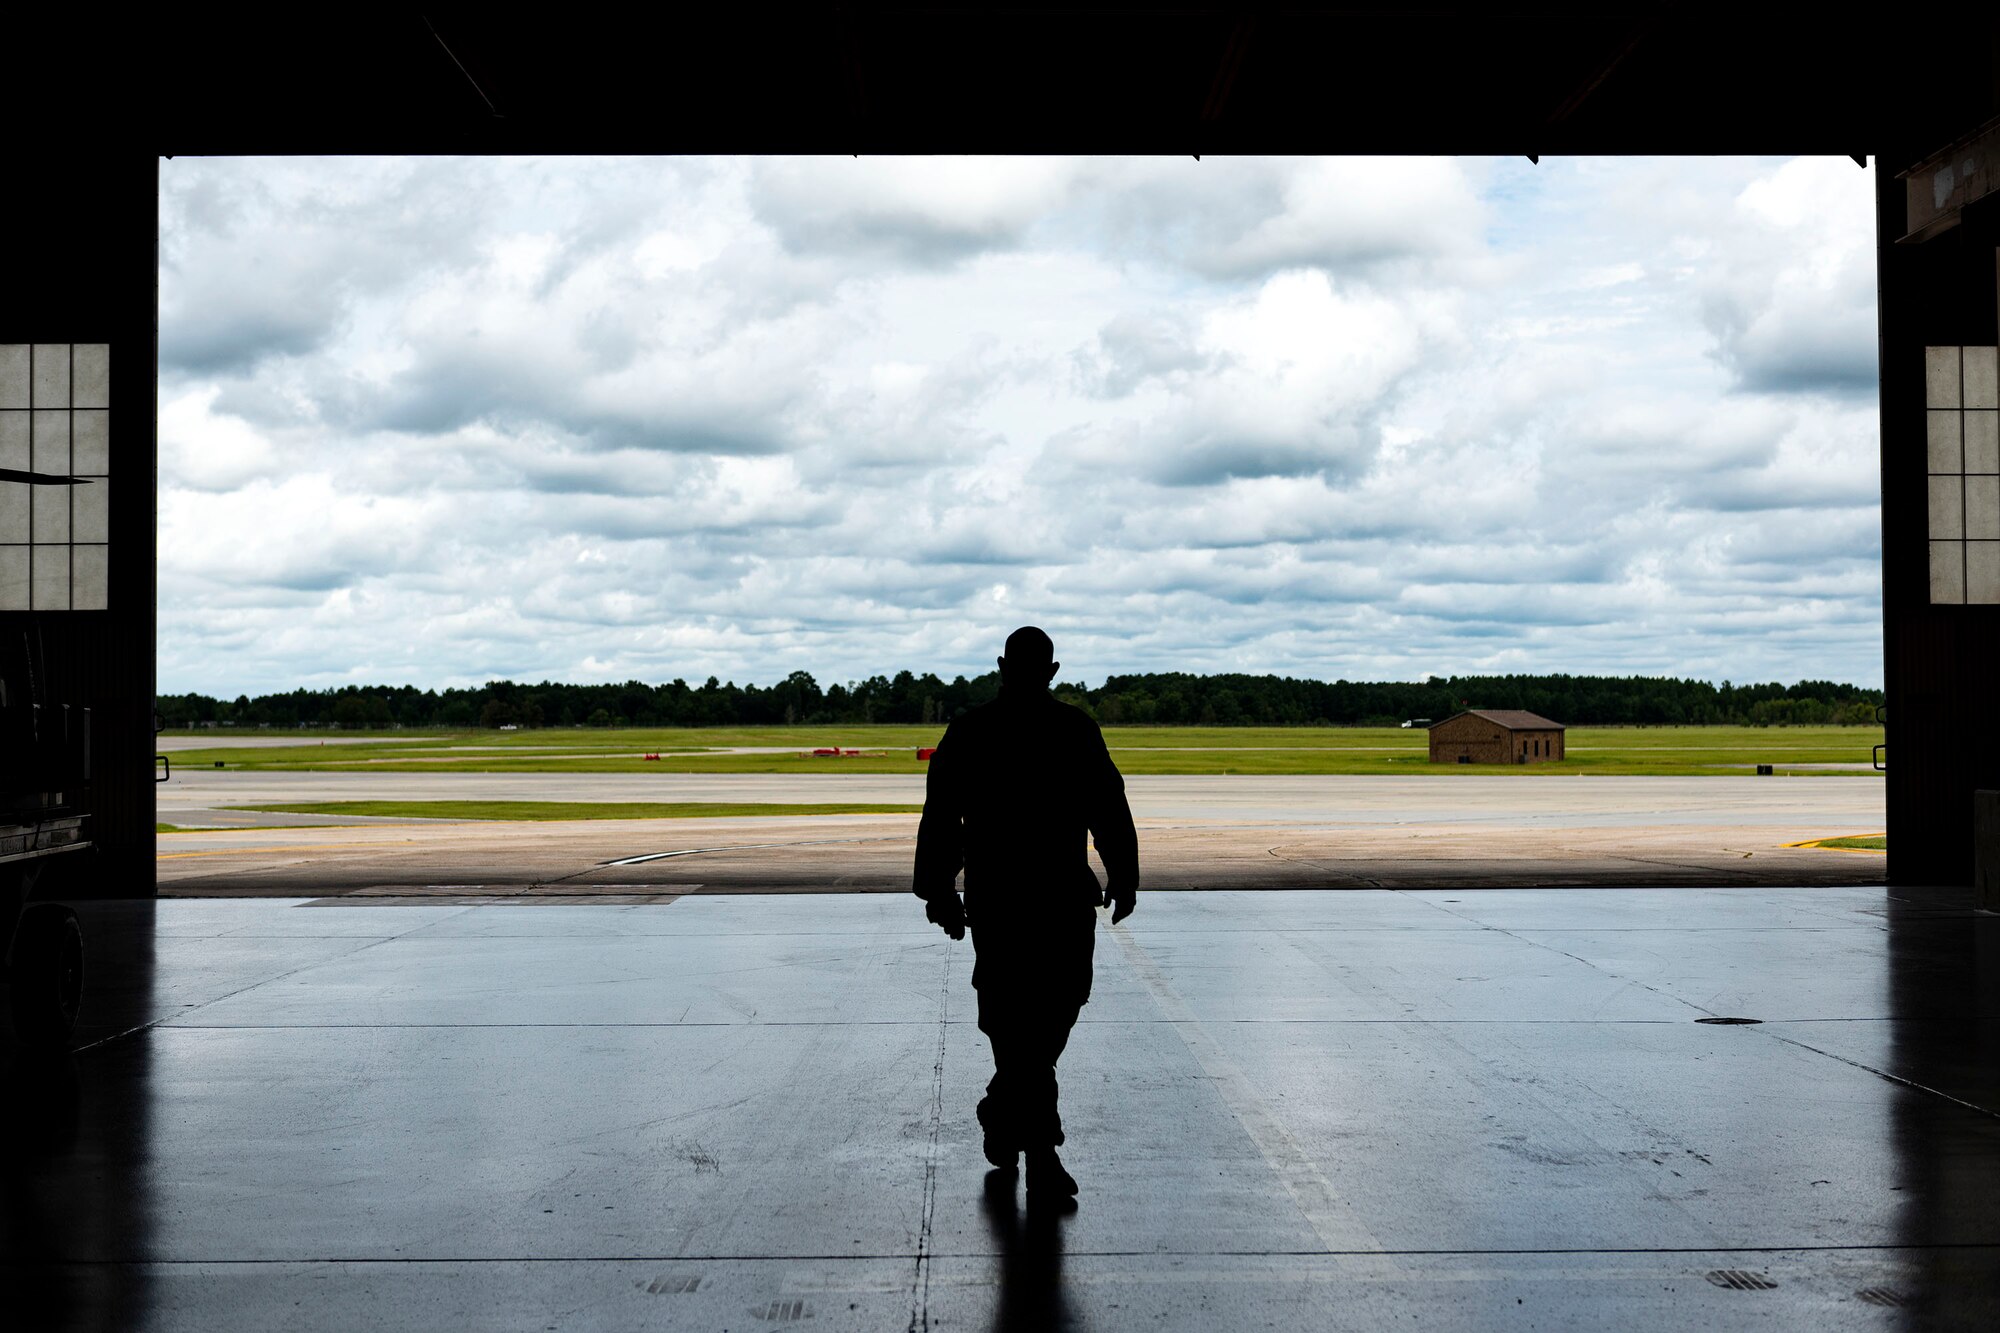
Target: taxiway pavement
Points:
(1196, 833)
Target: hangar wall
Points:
(82, 270)
(1941, 652)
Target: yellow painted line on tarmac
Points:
(1820, 844)
(302, 847)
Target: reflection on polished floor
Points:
(1493, 1109)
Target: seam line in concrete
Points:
(961, 1022)
(261, 981)
(1884, 1248)
(920, 1281)
(1885, 1075)
(1332, 1218)
(1523, 938)
(171, 1021)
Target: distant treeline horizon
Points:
(1151, 699)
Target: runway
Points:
(196, 795)
(1196, 833)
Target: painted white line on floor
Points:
(696, 851)
(747, 847)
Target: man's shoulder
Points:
(1005, 716)
(1044, 711)
(967, 728)
(1073, 721)
(1076, 716)
(974, 719)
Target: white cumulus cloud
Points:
(440, 420)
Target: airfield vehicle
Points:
(44, 799)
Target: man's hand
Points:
(1121, 901)
(947, 912)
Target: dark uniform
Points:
(1015, 787)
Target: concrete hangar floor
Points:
(1336, 1109)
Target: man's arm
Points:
(1112, 830)
(941, 844)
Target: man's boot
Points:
(1046, 1176)
(999, 1147)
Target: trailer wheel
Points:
(47, 980)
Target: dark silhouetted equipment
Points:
(44, 814)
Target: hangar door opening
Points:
(623, 528)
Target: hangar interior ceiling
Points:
(1095, 78)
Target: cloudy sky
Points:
(439, 421)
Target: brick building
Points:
(1496, 736)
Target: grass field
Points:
(556, 810)
(1138, 750)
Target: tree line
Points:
(1157, 699)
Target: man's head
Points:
(1030, 661)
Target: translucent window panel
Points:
(1947, 571)
(51, 442)
(51, 510)
(50, 577)
(15, 454)
(1982, 377)
(1942, 434)
(90, 510)
(90, 443)
(90, 578)
(55, 420)
(14, 451)
(1947, 508)
(1982, 442)
(1982, 508)
(1982, 572)
(90, 375)
(49, 375)
(13, 578)
(15, 511)
(1941, 377)
(13, 374)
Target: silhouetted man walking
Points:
(1015, 786)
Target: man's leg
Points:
(1019, 1109)
(1028, 1002)
(1042, 1116)
(1000, 1109)
(1063, 989)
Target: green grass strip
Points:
(1691, 751)
(1878, 843)
(555, 810)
